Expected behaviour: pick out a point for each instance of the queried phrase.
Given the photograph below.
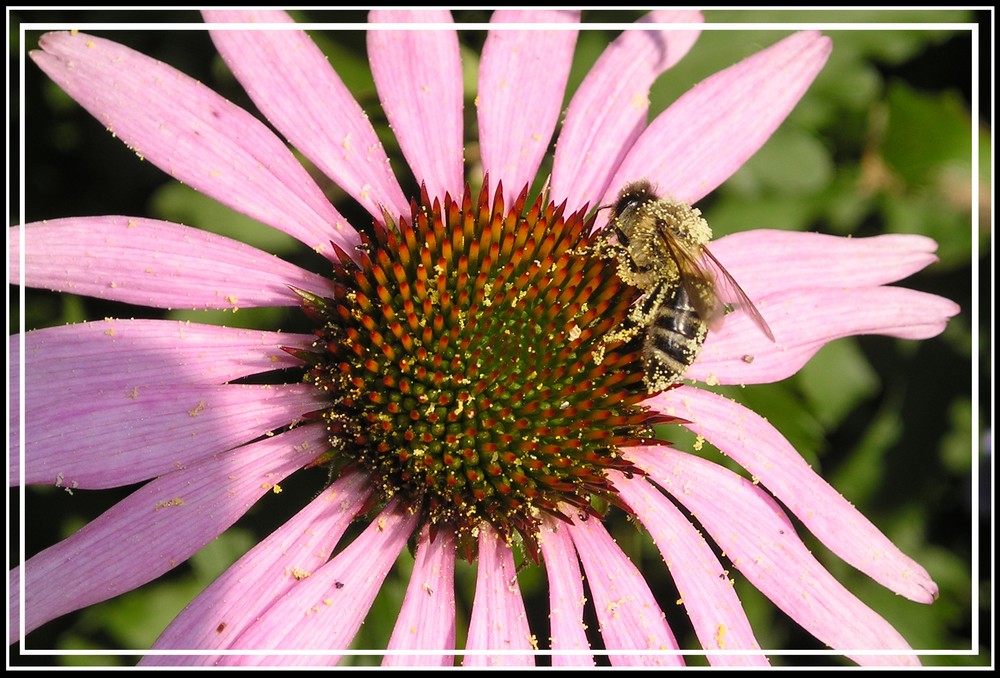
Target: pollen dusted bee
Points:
(660, 248)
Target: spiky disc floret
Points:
(463, 360)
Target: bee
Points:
(660, 248)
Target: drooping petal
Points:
(608, 111)
(499, 620)
(154, 263)
(427, 618)
(522, 78)
(325, 610)
(752, 442)
(159, 526)
(766, 261)
(804, 320)
(294, 85)
(123, 436)
(194, 135)
(418, 75)
(711, 603)
(629, 615)
(707, 134)
(566, 597)
(263, 576)
(760, 540)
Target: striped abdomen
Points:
(673, 338)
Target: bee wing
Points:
(726, 288)
(710, 288)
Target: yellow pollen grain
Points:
(298, 573)
(132, 223)
(110, 332)
(276, 489)
(720, 636)
(90, 44)
(167, 503)
(197, 409)
(134, 393)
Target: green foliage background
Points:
(882, 142)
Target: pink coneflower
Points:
(458, 388)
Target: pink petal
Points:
(522, 77)
(264, 575)
(753, 443)
(295, 87)
(325, 610)
(804, 320)
(707, 134)
(427, 618)
(194, 135)
(160, 525)
(129, 355)
(154, 263)
(499, 620)
(629, 615)
(418, 75)
(608, 111)
(121, 436)
(709, 598)
(124, 353)
(758, 537)
(765, 261)
(566, 596)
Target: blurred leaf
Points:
(184, 205)
(926, 134)
(836, 380)
(730, 215)
(792, 161)
(957, 447)
(246, 318)
(862, 472)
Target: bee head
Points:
(632, 197)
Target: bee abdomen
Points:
(673, 339)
